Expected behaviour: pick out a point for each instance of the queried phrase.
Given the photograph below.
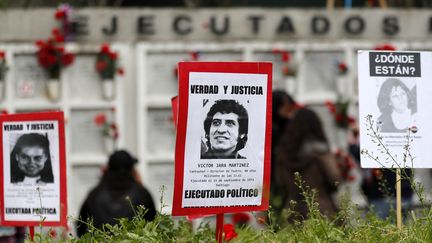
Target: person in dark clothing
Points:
(283, 106)
(115, 196)
(304, 149)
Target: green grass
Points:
(349, 225)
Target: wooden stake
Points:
(219, 227)
(398, 199)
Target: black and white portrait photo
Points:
(30, 159)
(397, 104)
(226, 130)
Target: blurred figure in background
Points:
(283, 107)
(304, 148)
(116, 196)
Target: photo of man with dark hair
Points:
(31, 160)
(226, 129)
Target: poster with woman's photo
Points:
(394, 98)
(223, 138)
(33, 171)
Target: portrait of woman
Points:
(398, 106)
(31, 160)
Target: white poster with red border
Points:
(33, 170)
(223, 104)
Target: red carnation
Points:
(48, 60)
(261, 220)
(67, 59)
(101, 65)
(351, 120)
(331, 106)
(194, 55)
(100, 119)
(286, 70)
(351, 165)
(342, 67)
(60, 14)
(120, 71)
(229, 232)
(286, 56)
(105, 48)
(339, 118)
(113, 55)
(113, 126)
(42, 60)
(40, 43)
(56, 32)
(241, 218)
(52, 233)
(385, 47)
(59, 38)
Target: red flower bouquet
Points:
(106, 63)
(339, 110)
(52, 56)
(108, 128)
(342, 68)
(288, 68)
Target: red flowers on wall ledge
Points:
(51, 54)
(107, 63)
(288, 68)
(109, 128)
(339, 110)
